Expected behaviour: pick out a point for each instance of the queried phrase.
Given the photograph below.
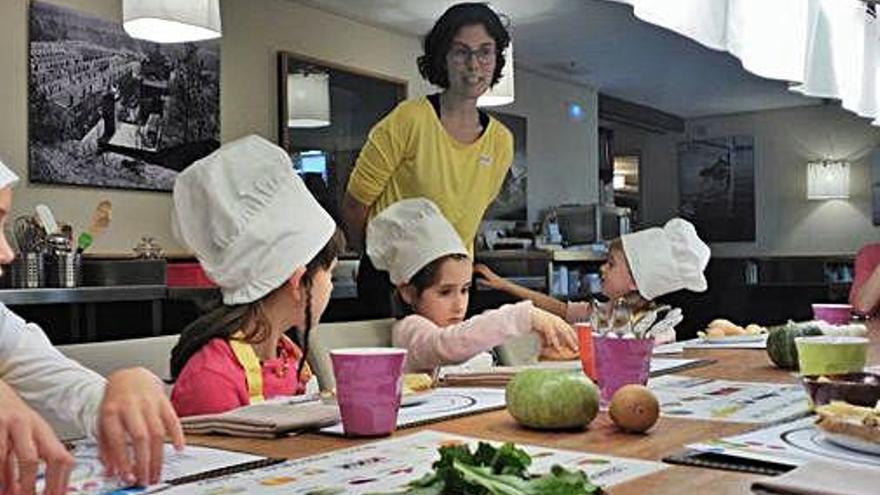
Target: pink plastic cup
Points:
(621, 362)
(369, 381)
(835, 314)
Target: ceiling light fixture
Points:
(172, 21)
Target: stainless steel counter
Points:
(83, 294)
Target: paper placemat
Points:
(444, 403)
(792, 444)
(723, 400)
(388, 465)
(87, 477)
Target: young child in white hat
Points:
(640, 267)
(261, 236)
(128, 413)
(430, 267)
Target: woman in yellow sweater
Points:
(440, 147)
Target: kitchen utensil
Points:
(100, 221)
(29, 235)
(47, 219)
(672, 318)
(644, 323)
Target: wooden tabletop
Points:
(669, 435)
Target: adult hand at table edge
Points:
(135, 410)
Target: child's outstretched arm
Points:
(543, 301)
(429, 345)
(558, 338)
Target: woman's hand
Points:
(489, 278)
(136, 411)
(25, 440)
(555, 333)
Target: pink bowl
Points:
(835, 314)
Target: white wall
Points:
(786, 222)
(562, 156)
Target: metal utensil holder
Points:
(65, 270)
(28, 271)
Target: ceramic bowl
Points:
(859, 389)
(831, 355)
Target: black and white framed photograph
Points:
(510, 204)
(716, 180)
(108, 110)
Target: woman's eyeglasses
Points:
(462, 55)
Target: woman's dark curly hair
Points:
(432, 64)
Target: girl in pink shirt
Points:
(262, 237)
(430, 267)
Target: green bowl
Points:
(830, 355)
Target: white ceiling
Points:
(601, 44)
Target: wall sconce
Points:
(172, 21)
(828, 179)
(308, 99)
(502, 93)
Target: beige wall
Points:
(253, 32)
(786, 222)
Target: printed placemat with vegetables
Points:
(431, 462)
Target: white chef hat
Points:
(668, 259)
(8, 178)
(408, 235)
(248, 218)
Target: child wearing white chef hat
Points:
(640, 267)
(430, 267)
(261, 236)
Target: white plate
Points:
(735, 339)
(407, 400)
(853, 443)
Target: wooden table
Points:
(668, 436)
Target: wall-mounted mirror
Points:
(325, 112)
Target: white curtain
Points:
(823, 48)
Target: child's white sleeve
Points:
(63, 392)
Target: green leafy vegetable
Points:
(495, 471)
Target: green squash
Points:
(781, 346)
(552, 399)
